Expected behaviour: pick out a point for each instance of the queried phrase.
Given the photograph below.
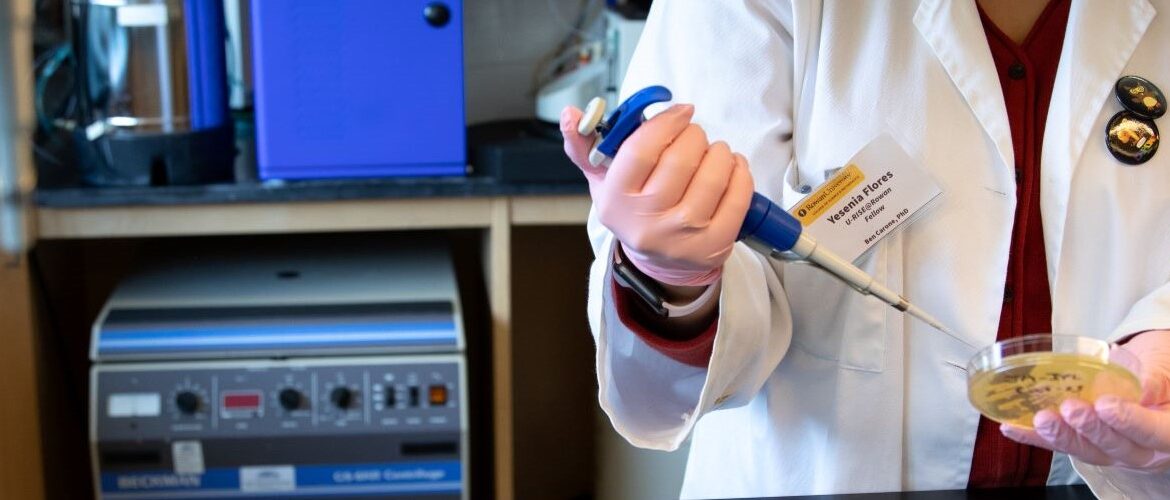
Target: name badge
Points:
(879, 191)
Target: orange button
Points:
(437, 395)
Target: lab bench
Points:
(535, 374)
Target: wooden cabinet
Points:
(20, 445)
(508, 224)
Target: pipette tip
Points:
(928, 319)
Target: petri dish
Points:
(1010, 381)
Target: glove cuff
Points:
(669, 276)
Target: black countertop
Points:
(1050, 493)
(294, 191)
(60, 185)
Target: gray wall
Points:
(628, 473)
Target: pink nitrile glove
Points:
(1109, 431)
(674, 201)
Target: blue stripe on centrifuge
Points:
(211, 337)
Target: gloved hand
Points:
(1111, 431)
(674, 201)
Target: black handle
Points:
(437, 14)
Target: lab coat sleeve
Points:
(733, 61)
(1110, 483)
(1152, 312)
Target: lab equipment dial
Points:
(291, 399)
(342, 398)
(188, 402)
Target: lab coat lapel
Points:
(954, 33)
(1098, 43)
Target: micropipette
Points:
(767, 228)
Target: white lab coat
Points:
(813, 389)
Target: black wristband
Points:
(628, 276)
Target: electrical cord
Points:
(85, 113)
(44, 154)
(75, 391)
(56, 57)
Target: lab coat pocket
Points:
(833, 321)
(866, 333)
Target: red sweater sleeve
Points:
(694, 351)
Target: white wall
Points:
(503, 41)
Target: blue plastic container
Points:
(358, 88)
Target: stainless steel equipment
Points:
(152, 89)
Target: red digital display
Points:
(241, 400)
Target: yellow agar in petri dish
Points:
(1019, 385)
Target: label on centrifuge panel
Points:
(188, 457)
(268, 478)
(881, 190)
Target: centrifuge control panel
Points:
(242, 398)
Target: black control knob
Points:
(187, 402)
(437, 14)
(342, 397)
(291, 399)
